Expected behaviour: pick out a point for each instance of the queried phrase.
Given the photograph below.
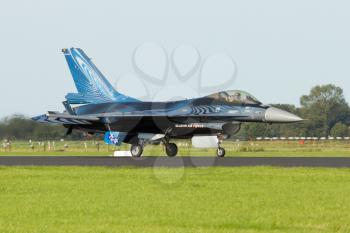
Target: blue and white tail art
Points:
(98, 108)
(92, 86)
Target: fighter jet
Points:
(99, 108)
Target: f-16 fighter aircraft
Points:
(99, 108)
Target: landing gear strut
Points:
(220, 152)
(170, 148)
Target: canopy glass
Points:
(235, 96)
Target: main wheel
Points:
(136, 150)
(220, 152)
(171, 149)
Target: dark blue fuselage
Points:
(184, 118)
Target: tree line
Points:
(20, 127)
(324, 109)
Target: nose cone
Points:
(275, 115)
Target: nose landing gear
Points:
(220, 152)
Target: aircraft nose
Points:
(275, 115)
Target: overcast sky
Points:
(281, 48)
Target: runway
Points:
(181, 161)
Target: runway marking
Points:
(180, 161)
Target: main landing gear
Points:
(137, 148)
(171, 149)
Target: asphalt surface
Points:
(181, 161)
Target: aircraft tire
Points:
(136, 150)
(220, 152)
(171, 149)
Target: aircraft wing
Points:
(70, 119)
(61, 118)
(181, 117)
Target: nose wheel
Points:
(220, 152)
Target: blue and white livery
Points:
(98, 108)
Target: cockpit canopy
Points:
(234, 96)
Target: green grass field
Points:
(260, 199)
(233, 148)
(204, 152)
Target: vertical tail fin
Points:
(91, 84)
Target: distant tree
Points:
(287, 107)
(323, 108)
(340, 130)
(2, 130)
(253, 130)
(19, 127)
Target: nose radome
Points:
(275, 115)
